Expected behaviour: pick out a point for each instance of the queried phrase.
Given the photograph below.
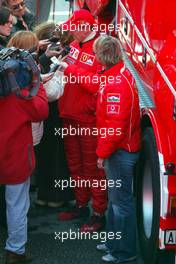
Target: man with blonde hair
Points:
(118, 109)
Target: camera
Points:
(54, 39)
(55, 61)
(65, 51)
(55, 43)
(55, 46)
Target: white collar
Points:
(89, 37)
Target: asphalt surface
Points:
(46, 247)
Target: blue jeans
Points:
(121, 210)
(17, 206)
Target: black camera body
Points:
(63, 53)
(55, 44)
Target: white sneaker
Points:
(40, 203)
(55, 205)
(128, 259)
(102, 247)
(109, 258)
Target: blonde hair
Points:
(107, 49)
(24, 40)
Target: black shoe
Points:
(13, 258)
(95, 223)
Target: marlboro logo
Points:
(113, 98)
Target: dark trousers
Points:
(51, 162)
(2, 206)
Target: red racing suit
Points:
(76, 103)
(78, 107)
(17, 159)
(116, 92)
(118, 113)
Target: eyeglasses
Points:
(16, 7)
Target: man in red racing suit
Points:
(77, 107)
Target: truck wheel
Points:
(148, 198)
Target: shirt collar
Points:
(89, 37)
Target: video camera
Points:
(18, 70)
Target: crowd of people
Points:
(30, 148)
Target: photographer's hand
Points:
(43, 44)
(46, 77)
(51, 53)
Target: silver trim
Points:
(149, 50)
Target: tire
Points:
(148, 198)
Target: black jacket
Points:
(3, 42)
(29, 19)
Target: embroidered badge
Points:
(74, 53)
(113, 109)
(113, 97)
(87, 59)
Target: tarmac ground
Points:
(46, 247)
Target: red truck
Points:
(147, 33)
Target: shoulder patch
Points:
(113, 97)
(69, 60)
(113, 109)
(87, 59)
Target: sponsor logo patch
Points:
(87, 59)
(113, 109)
(74, 53)
(69, 60)
(113, 98)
